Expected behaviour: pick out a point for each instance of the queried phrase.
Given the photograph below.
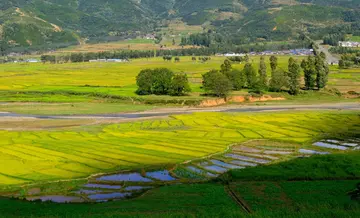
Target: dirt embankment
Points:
(238, 99)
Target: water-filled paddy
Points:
(215, 168)
(101, 186)
(226, 165)
(137, 188)
(126, 177)
(332, 146)
(160, 175)
(307, 151)
(108, 196)
(243, 163)
(245, 158)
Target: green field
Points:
(104, 78)
(109, 82)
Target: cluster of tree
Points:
(204, 39)
(49, 58)
(316, 71)
(333, 39)
(203, 59)
(162, 81)
(349, 60)
(74, 58)
(344, 50)
(169, 58)
(238, 59)
(220, 83)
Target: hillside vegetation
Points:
(54, 23)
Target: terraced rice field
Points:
(131, 184)
(34, 156)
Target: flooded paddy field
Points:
(125, 185)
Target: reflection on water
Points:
(161, 175)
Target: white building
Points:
(232, 54)
(349, 44)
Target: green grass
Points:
(355, 38)
(338, 166)
(300, 198)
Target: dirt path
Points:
(243, 205)
(165, 112)
(331, 59)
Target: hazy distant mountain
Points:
(39, 22)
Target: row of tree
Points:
(221, 83)
(162, 81)
(133, 54)
(333, 39)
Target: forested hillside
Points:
(54, 23)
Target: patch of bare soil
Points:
(238, 99)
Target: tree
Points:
(179, 85)
(161, 81)
(250, 74)
(4, 46)
(246, 58)
(308, 65)
(322, 70)
(76, 57)
(237, 78)
(173, 42)
(167, 58)
(144, 82)
(341, 64)
(226, 67)
(278, 81)
(262, 83)
(214, 82)
(273, 63)
(294, 77)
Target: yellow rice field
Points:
(48, 155)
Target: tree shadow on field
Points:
(355, 195)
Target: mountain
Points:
(31, 23)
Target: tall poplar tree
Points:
(294, 77)
(262, 83)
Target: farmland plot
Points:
(34, 156)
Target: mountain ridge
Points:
(27, 23)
